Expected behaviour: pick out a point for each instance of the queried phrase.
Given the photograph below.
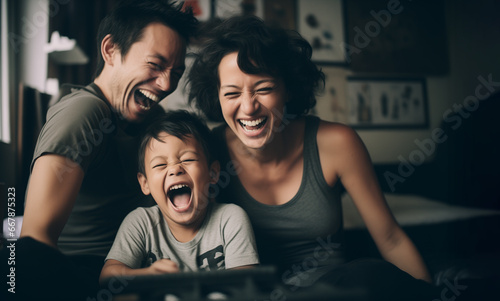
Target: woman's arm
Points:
(114, 267)
(345, 158)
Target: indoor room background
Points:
(407, 75)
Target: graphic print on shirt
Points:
(211, 260)
(149, 260)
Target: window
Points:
(4, 84)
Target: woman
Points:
(289, 167)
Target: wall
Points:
(27, 37)
(7, 150)
(472, 30)
(474, 45)
(34, 26)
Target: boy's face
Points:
(178, 178)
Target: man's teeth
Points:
(252, 122)
(144, 108)
(150, 95)
(178, 187)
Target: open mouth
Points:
(180, 196)
(253, 125)
(145, 99)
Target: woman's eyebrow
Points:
(255, 84)
(268, 80)
(229, 86)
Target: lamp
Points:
(65, 51)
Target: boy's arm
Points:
(243, 267)
(114, 267)
(129, 249)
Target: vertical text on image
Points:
(11, 244)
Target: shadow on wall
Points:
(466, 167)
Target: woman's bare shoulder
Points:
(333, 136)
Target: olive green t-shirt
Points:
(83, 127)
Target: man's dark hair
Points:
(261, 49)
(181, 124)
(127, 21)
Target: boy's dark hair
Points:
(181, 124)
(261, 50)
(127, 21)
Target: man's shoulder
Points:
(82, 100)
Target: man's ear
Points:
(108, 50)
(214, 172)
(143, 181)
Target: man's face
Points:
(148, 73)
(178, 177)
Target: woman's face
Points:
(252, 105)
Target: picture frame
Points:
(397, 103)
(281, 13)
(331, 103)
(224, 9)
(321, 23)
(393, 38)
(202, 9)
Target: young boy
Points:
(185, 231)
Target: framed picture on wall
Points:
(281, 13)
(387, 103)
(321, 23)
(331, 104)
(397, 37)
(227, 8)
(202, 9)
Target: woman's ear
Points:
(143, 181)
(214, 172)
(108, 50)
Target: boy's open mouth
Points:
(179, 195)
(145, 99)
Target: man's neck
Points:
(99, 82)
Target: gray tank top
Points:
(305, 231)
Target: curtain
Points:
(79, 20)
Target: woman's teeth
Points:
(252, 123)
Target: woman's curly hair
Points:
(261, 49)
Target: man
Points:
(83, 180)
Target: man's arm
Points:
(53, 186)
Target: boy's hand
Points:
(163, 266)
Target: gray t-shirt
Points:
(225, 240)
(83, 127)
